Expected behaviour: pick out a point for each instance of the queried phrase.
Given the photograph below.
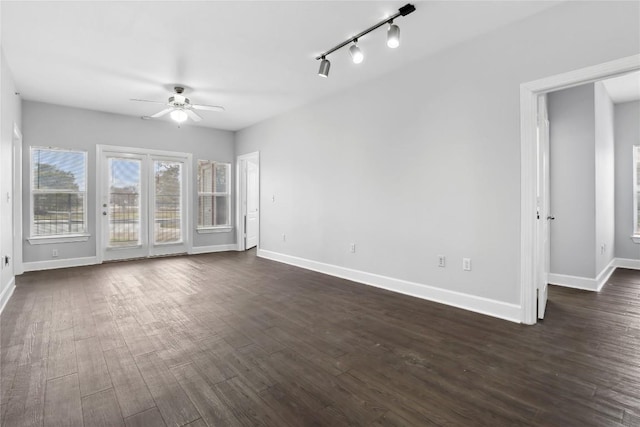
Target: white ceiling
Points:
(624, 88)
(254, 58)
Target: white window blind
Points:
(58, 192)
(214, 194)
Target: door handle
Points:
(104, 213)
(551, 217)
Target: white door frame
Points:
(241, 195)
(18, 268)
(529, 236)
(101, 186)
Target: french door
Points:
(143, 207)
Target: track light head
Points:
(356, 54)
(325, 65)
(393, 36)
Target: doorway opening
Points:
(533, 268)
(143, 205)
(248, 201)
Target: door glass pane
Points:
(124, 202)
(168, 189)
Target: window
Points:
(636, 194)
(58, 192)
(214, 201)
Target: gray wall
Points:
(64, 127)
(572, 175)
(426, 160)
(627, 134)
(605, 178)
(10, 113)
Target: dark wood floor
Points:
(231, 339)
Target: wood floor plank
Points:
(62, 406)
(25, 402)
(62, 354)
(108, 332)
(92, 368)
(213, 411)
(131, 390)
(102, 410)
(170, 398)
(148, 418)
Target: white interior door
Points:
(252, 204)
(143, 207)
(544, 206)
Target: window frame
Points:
(214, 228)
(35, 239)
(636, 188)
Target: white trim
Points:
(6, 294)
(569, 281)
(45, 240)
(214, 248)
(208, 230)
(241, 196)
(585, 283)
(17, 200)
(636, 227)
(60, 263)
(633, 264)
(529, 92)
(499, 309)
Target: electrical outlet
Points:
(442, 261)
(284, 237)
(54, 253)
(466, 264)
(352, 248)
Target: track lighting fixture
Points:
(324, 67)
(356, 54)
(393, 40)
(393, 36)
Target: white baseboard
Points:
(6, 294)
(585, 283)
(214, 248)
(633, 264)
(59, 263)
(502, 310)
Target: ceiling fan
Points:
(179, 107)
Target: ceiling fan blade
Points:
(193, 116)
(207, 107)
(162, 113)
(146, 100)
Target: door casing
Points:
(101, 151)
(530, 253)
(241, 197)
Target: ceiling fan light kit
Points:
(180, 107)
(357, 56)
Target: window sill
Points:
(47, 240)
(214, 230)
(636, 238)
